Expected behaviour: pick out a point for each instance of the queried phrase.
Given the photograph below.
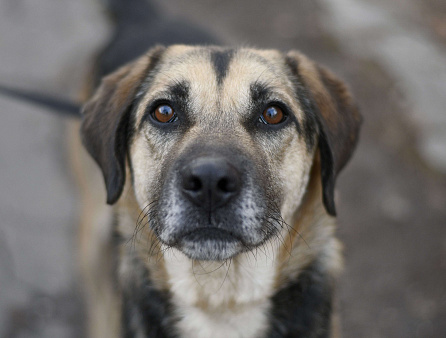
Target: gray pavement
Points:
(392, 196)
(44, 46)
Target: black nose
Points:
(210, 182)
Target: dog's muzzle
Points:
(210, 208)
(209, 184)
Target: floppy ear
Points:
(337, 117)
(105, 124)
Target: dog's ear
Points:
(337, 117)
(105, 120)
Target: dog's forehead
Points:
(221, 80)
(219, 65)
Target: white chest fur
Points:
(215, 299)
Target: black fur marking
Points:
(259, 92)
(311, 125)
(220, 61)
(260, 95)
(144, 308)
(327, 174)
(148, 309)
(303, 308)
(180, 91)
(306, 102)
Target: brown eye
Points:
(272, 115)
(164, 113)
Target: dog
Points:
(219, 167)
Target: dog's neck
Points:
(233, 295)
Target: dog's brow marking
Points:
(180, 90)
(220, 60)
(259, 91)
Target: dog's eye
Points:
(272, 115)
(164, 114)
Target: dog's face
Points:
(219, 142)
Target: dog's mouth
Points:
(209, 243)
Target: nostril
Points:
(193, 183)
(226, 185)
(196, 184)
(222, 184)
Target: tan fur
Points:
(311, 236)
(141, 241)
(103, 305)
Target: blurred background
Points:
(391, 197)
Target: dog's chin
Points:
(209, 244)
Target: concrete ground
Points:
(391, 197)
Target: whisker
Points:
(193, 272)
(208, 272)
(226, 275)
(145, 213)
(277, 215)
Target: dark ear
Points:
(105, 120)
(337, 117)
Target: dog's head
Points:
(219, 142)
